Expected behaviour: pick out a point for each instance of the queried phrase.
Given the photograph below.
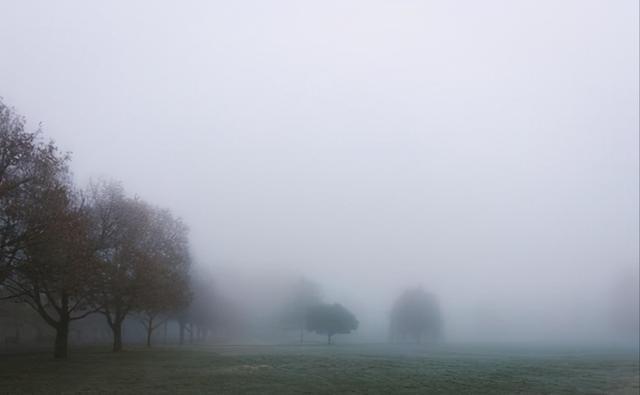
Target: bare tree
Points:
(165, 271)
(26, 164)
(45, 257)
(55, 271)
(119, 225)
(67, 259)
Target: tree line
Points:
(68, 253)
(415, 315)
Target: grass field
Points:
(323, 369)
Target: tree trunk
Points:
(62, 338)
(117, 336)
(301, 335)
(329, 338)
(149, 332)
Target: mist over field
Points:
(484, 151)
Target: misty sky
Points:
(487, 150)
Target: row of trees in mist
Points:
(68, 253)
(415, 315)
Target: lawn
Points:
(323, 369)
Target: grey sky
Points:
(485, 149)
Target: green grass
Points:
(368, 369)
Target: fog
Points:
(486, 151)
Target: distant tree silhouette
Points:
(330, 319)
(206, 312)
(304, 295)
(165, 271)
(416, 314)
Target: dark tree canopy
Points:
(416, 315)
(27, 168)
(46, 256)
(331, 319)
